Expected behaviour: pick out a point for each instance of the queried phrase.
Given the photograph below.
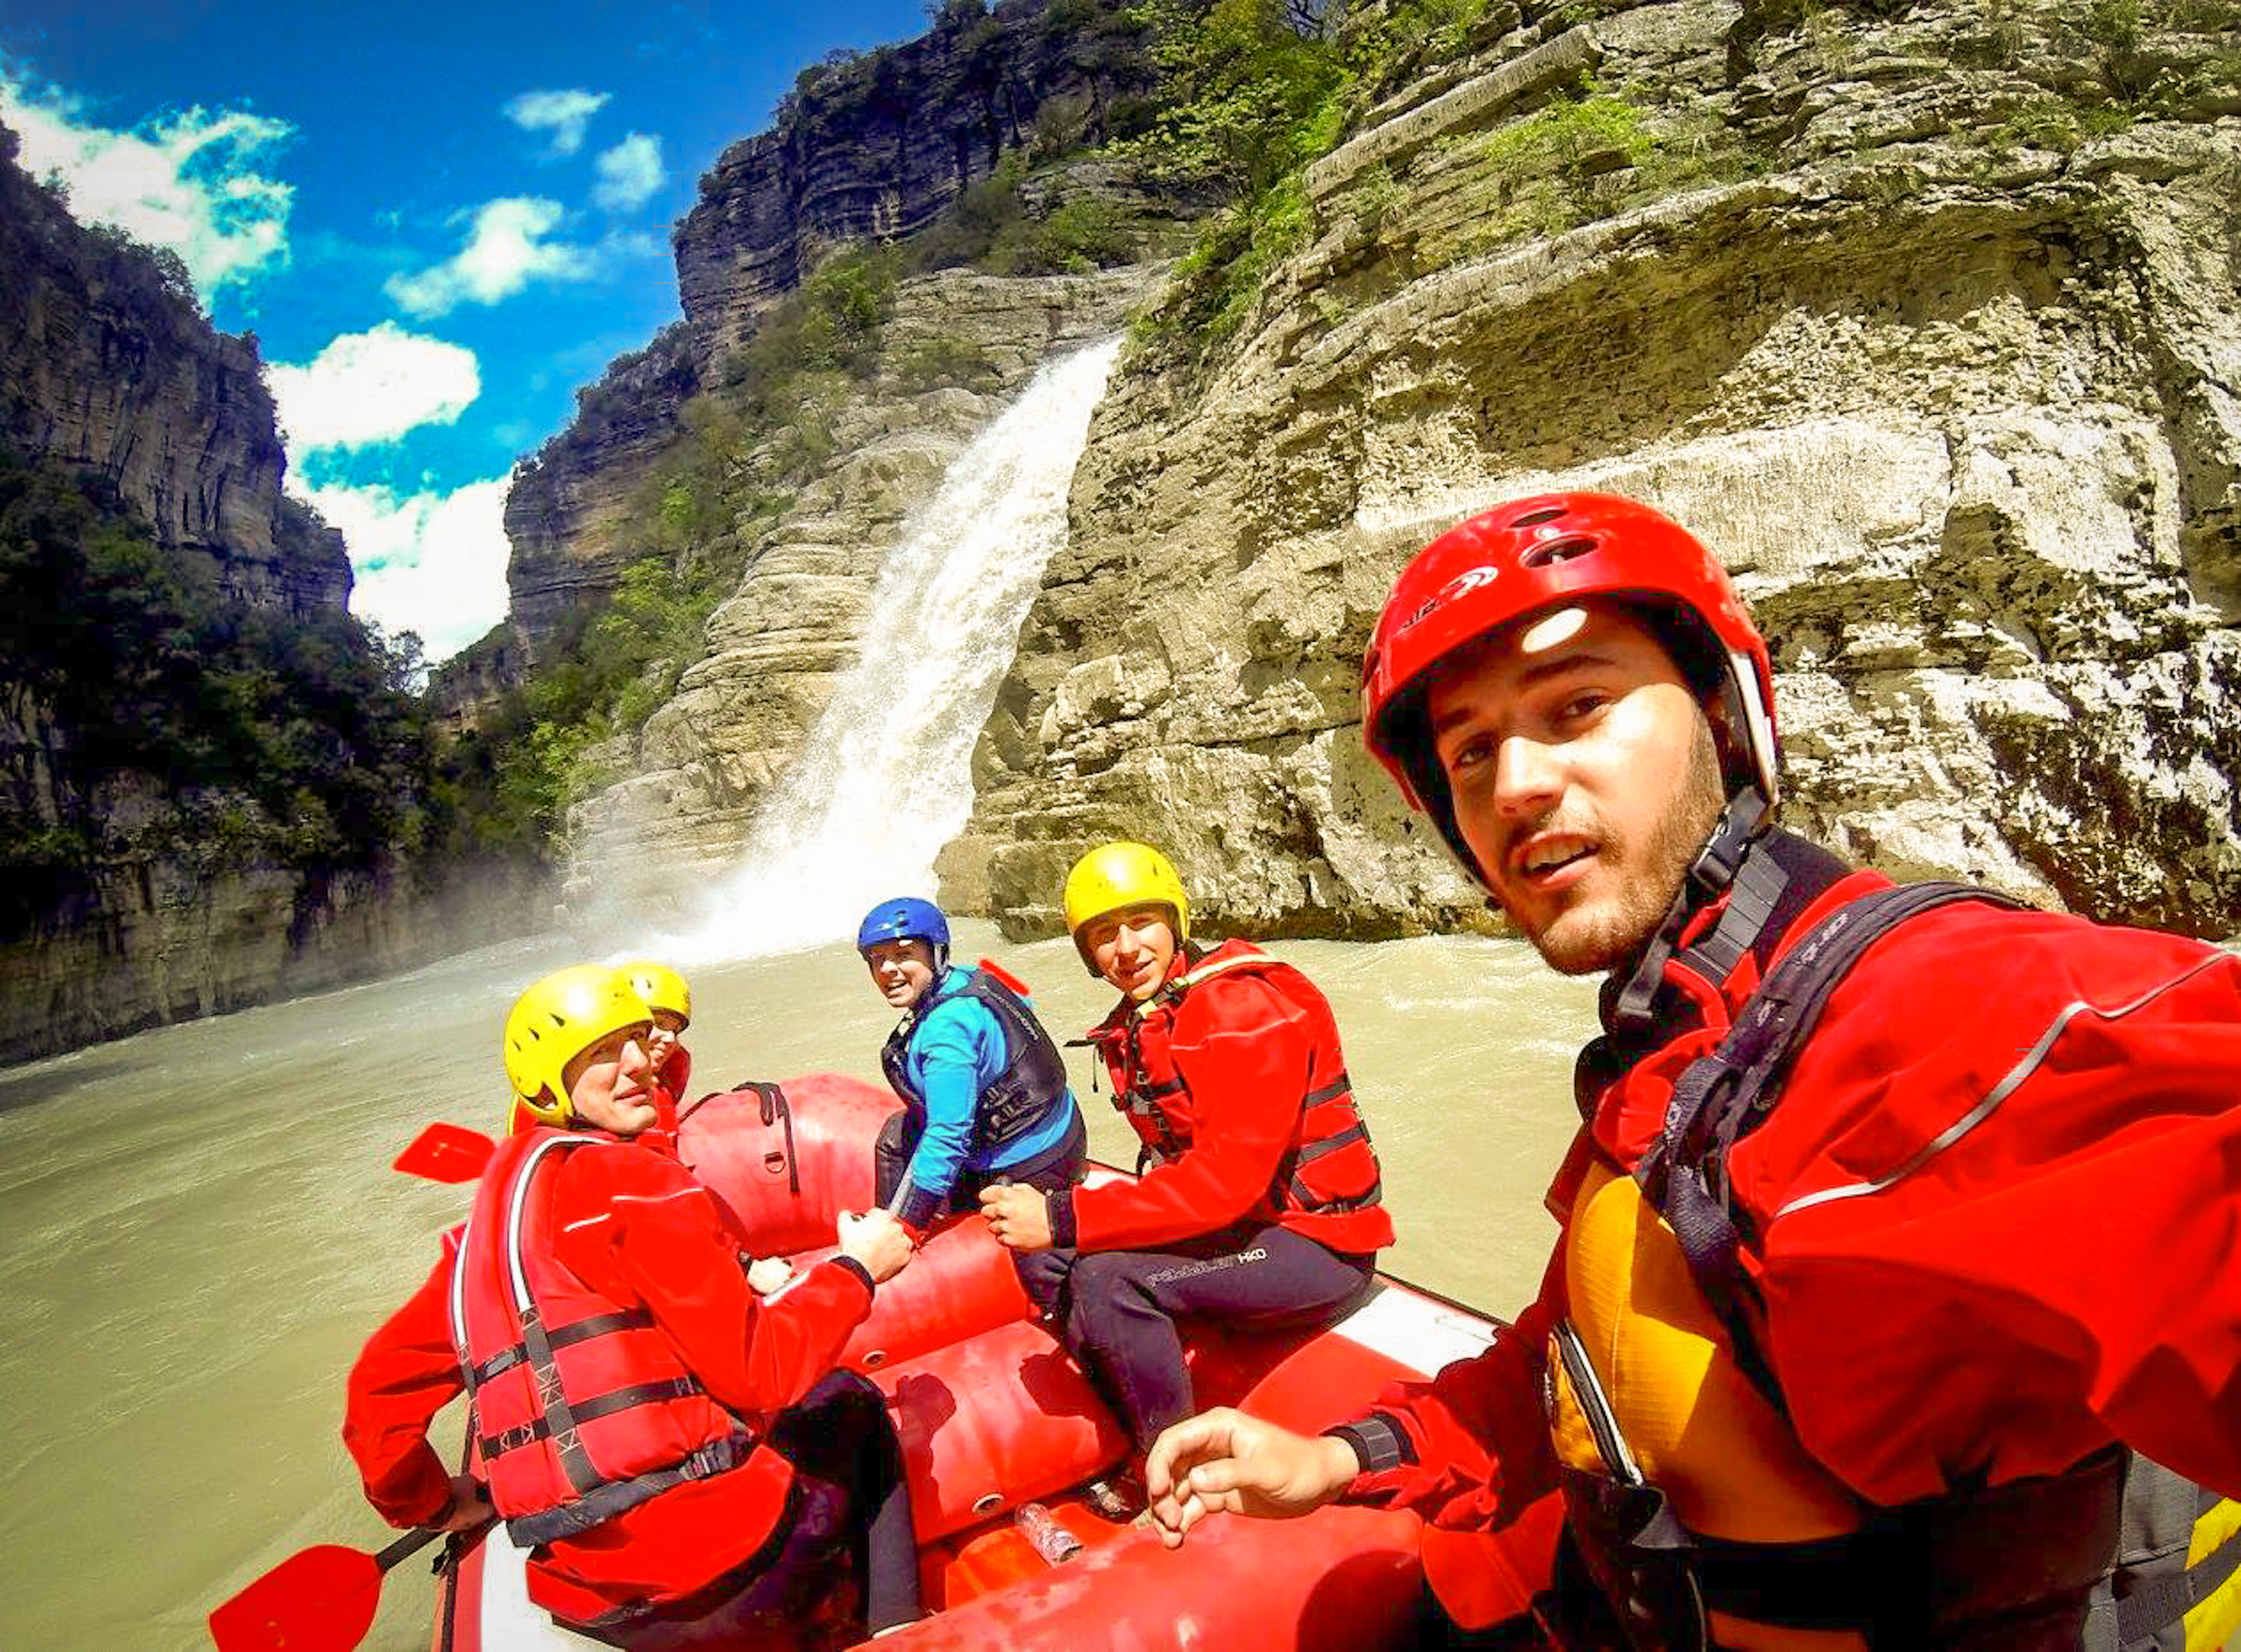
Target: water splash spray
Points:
(886, 778)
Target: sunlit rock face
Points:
(876, 147)
(1926, 323)
(693, 779)
(104, 370)
(873, 146)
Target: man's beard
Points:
(1593, 942)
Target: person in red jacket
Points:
(678, 1456)
(1894, 1302)
(1260, 1204)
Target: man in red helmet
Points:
(1895, 1296)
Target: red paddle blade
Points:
(446, 1152)
(1005, 976)
(320, 1600)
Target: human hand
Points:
(469, 1507)
(766, 1273)
(878, 1241)
(1224, 1460)
(1019, 1217)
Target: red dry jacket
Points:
(1234, 1077)
(2034, 1126)
(635, 1231)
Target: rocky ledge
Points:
(1926, 323)
(695, 776)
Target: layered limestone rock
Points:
(874, 147)
(870, 147)
(701, 768)
(107, 367)
(569, 515)
(1927, 323)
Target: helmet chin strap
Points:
(1709, 877)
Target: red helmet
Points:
(1523, 559)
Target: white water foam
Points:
(886, 778)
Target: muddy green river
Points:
(201, 1227)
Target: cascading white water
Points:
(886, 778)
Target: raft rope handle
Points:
(776, 1108)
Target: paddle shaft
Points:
(408, 1545)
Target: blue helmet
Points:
(906, 919)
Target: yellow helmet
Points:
(662, 988)
(556, 1020)
(1114, 875)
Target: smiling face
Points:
(1584, 776)
(661, 1043)
(1132, 948)
(902, 970)
(611, 1085)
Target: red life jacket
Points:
(1330, 1170)
(581, 1408)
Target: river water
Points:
(202, 1229)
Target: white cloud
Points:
(370, 387)
(430, 562)
(505, 250)
(187, 180)
(564, 114)
(629, 173)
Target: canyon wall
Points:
(1925, 321)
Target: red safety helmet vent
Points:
(1554, 550)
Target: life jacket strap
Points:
(2167, 1599)
(1721, 1097)
(630, 1318)
(608, 1499)
(1304, 1197)
(604, 1405)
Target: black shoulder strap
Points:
(1722, 1097)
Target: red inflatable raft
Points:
(993, 1414)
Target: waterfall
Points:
(885, 779)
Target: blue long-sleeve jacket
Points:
(955, 1051)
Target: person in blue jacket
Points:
(984, 1090)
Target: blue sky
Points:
(438, 220)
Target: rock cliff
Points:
(569, 514)
(176, 838)
(696, 773)
(875, 146)
(106, 365)
(1924, 320)
(870, 146)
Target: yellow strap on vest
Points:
(2213, 1623)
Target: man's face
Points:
(1132, 948)
(661, 1043)
(611, 1085)
(1585, 780)
(902, 970)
